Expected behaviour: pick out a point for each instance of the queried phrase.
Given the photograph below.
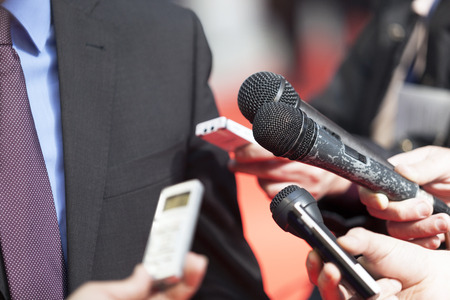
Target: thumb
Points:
(423, 165)
(137, 286)
(383, 256)
(422, 172)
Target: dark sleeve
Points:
(353, 97)
(233, 271)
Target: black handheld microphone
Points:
(267, 87)
(296, 211)
(289, 132)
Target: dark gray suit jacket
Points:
(133, 85)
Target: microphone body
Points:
(267, 87)
(289, 132)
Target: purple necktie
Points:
(29, 235)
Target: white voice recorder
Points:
(224, 133)
(172, 232)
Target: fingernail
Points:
(441, 225)
(423, 210)
(348, 241)
(382, 201)
(407, 172)
(396, 285)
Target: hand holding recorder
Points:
(168, 270)
(172, 232)
(139, 285)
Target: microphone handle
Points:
(329, 153)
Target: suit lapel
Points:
(86, 75)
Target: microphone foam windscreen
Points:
(276, 127)
(284, 130)
(261, 88)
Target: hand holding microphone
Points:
(289, 132)
(296, 211)
(398, 265)
(403, 270)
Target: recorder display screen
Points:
(176, 201)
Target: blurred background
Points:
(303, 40)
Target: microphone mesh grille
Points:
(277, 126)
(261, 88)
(281, 195)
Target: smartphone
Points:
(354, 275)
(172, 232)
(224, 133)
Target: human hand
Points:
(412, 219)
(139, 285)
(275, 173)
(429, 167)
(405, 270)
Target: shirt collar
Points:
(35, 18)
(424, 8)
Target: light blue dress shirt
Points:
(34, 41)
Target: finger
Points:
(429, 227)
(440, 190)
(424, 165)
(382, 255)
(271, 169)
(252, 153)
(423, 172)
(194, 271)
(272, 188)
(314, 266)
(432, 243)
(137, 286)
(281, 171)
(316, 181)
(373, 200)
(393, 297)
(388, 288)
(361, 241)
(412, 156)
(328, 282)
(403, 211)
